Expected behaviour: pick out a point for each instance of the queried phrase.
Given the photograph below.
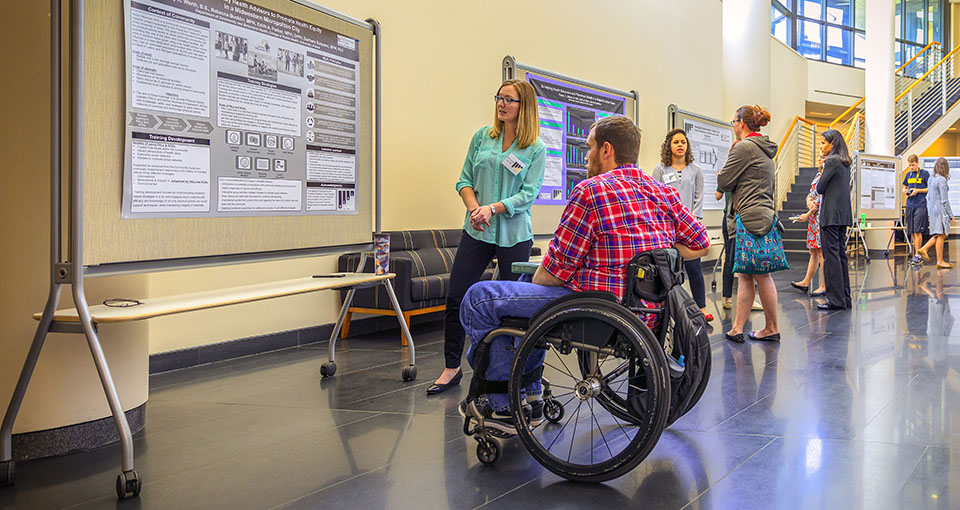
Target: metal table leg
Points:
(329, 368)
(410, 371)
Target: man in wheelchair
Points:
(613, 215)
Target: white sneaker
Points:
(757, 307)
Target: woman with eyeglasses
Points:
(500, 179)
(749, 174)
(678, 170)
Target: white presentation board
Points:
(877, 186)
(954, 181)
(237, 110)
(710, 142)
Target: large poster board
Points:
(953, 182)
(567, 107)
(710, 142)
(877, 186)
(237, 110)
(566, 113)
(109, 238)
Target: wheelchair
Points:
(610, 384)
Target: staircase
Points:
(923, 110)
(795, 234)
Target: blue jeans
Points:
(483, 307)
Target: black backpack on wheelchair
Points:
(657, 276)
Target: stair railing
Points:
(912, 69)
(927, 96)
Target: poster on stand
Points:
(237, 110)
(879, 183)
(566, 113)
(710, 145)
(953, 182)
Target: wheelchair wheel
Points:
(592, 442)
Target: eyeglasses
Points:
(734, 122)
(506, 100)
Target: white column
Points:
(746, 55)
(879, 77)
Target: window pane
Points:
(914, 70)
(784, 5)
(913, 21)
(934, 22)
(810, 39)
(898, 19)
(840, 12)
(812, 9)
(860, 14)
(898, 59)
(839, 46)
(861, 51)
(779, 25)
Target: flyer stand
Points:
(75, 266)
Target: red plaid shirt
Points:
(611, 218)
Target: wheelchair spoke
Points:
(565, 365)
(560, 432)
(573, 435)
(602, 436)
(561, 371)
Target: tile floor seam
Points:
(892, 400)
(724, 477)
(912, 470)
(219, 461)
(524, 484)
(734, 415)
(358, 475)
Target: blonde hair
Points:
(528, 123)
(913, 158)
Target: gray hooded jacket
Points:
(749, 174)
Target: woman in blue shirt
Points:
(500, 179)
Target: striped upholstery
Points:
(422, 260)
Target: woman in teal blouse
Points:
(500, 179)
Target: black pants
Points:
(836, 269)
(729, 246)
(695, 276)
(470, 262)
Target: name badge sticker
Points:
(671, 177)
(513, 163)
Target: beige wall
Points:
(788, 87)
(834, 84)
(947, 145)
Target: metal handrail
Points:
(942, 60)
(921, 52)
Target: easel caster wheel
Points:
(409, 373)
(487, 451)
(328, 369)
(128, 485)
(7, 472)
(713, 286)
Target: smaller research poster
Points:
(566, 114)
(953, 182)
(879, 184)
(237, 110)
(710, 145)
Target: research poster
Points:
(954, 181)
(566, 114)
(237, 110)
(879, 183)
(710, 145)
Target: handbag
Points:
(759, 254)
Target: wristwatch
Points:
(493, 209)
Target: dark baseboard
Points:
(221, 351)
(74, 438)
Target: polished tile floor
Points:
(854, 409)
